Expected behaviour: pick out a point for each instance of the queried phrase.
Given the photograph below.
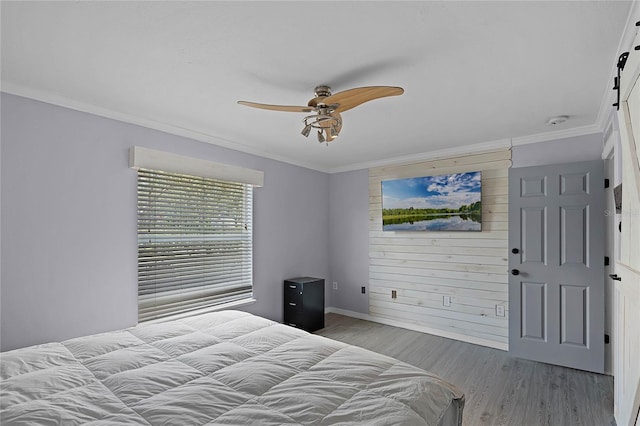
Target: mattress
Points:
(226, 367)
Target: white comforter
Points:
(226, 367)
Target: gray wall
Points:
(567, 150)
(68, 222)
(349, 213)
(349, 239)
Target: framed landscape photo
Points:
(450, 202)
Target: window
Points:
(194, 242)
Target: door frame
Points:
(611, 157)
(549, 276)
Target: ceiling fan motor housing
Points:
(322, 91)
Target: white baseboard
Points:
(420, 328)
(346, 313)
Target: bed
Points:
(225, 367)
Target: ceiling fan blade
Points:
(285, 108)
(351, 98)
(315, 101)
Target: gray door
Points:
(556, 262)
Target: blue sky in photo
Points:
(443, 191)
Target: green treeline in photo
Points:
(471, 211)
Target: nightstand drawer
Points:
(294, 304)
(292, 294)
(293, 286)
(294, 318)
(304, 303)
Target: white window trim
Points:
(147, 158)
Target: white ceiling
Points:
(473, 72)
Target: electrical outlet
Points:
(500, 310)
(363, 290)
(446, 300)
(335, 285)
(394, 294)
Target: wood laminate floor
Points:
(499, 389)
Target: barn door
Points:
(627, 287)
(556, 262)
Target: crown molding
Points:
(59, 100)
(558, 134)
(429, 155)
(55, 99)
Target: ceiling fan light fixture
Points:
(322, 121)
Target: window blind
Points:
(194, 243)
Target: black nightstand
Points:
(304, 303)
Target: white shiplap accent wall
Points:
(422, 267)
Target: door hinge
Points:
(606, 183)
(606, 339)
(606, 261)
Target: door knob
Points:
(615, 277)
(515, 251)
(515, 272)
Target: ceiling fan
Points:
(327, 107)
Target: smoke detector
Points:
(557, 120)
